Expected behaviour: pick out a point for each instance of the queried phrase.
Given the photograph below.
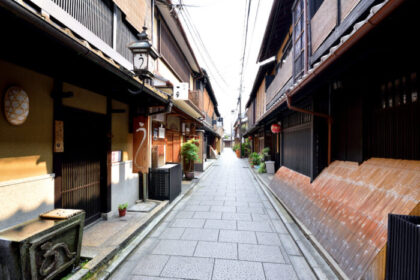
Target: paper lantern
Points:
(275, 128)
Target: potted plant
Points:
(122, 209)
(236, 148)
(254, 159)
(246, 148)
(189, 154)
(261, 168)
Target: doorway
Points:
(84, 160)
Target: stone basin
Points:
(41, 248)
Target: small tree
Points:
(189, 152)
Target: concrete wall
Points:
(25, 199)
(125, 185)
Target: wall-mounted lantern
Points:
(144, 56)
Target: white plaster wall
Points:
(125, 185)
(25, 199)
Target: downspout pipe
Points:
(317, 114)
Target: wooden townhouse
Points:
(195, 116)
(344, 90)
(71, 104)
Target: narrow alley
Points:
(225, 229)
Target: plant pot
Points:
(122, 212)
(238, 153)
(189, 175)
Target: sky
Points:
(221, 28)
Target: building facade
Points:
(71, 104)
(345, 92)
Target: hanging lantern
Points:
(144, 56)
(275, 128)
(249, 138)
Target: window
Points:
(286, 51)
(299, 38)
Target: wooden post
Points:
(57, 151)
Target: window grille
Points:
(95, 15)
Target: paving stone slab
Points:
(172, 233)
(188, 223)
(260, 217)
(150, 265)
(200, 234)
(237, 236)
(260, 253)
(237, 270)
(175, 247)
(208, 215)
(188, 268)
(204, 208)
(248, 209)
(268, 238)
(236, 216)
(220, 224)
(255, 226)
(216, 250)
(212, 203)
(279, 271)
(235, 203)
(141, 277)
(184, 215)
(223, 209)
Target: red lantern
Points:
(275, 128)
(249, 138)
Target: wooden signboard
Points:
(58, 136)
(140, 144)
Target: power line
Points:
(189, 21)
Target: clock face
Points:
(140, 61)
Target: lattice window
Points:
(95, 15)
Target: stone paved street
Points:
(225, 229)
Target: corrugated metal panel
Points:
(347, 206)
(297, 149)
(403, 254)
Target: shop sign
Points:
(181, 91)
(140, 144)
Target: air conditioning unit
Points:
(165, 182)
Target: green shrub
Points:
(246, 148)
(255, 158)
(189, 152)
(262, 168)
(235, 147)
